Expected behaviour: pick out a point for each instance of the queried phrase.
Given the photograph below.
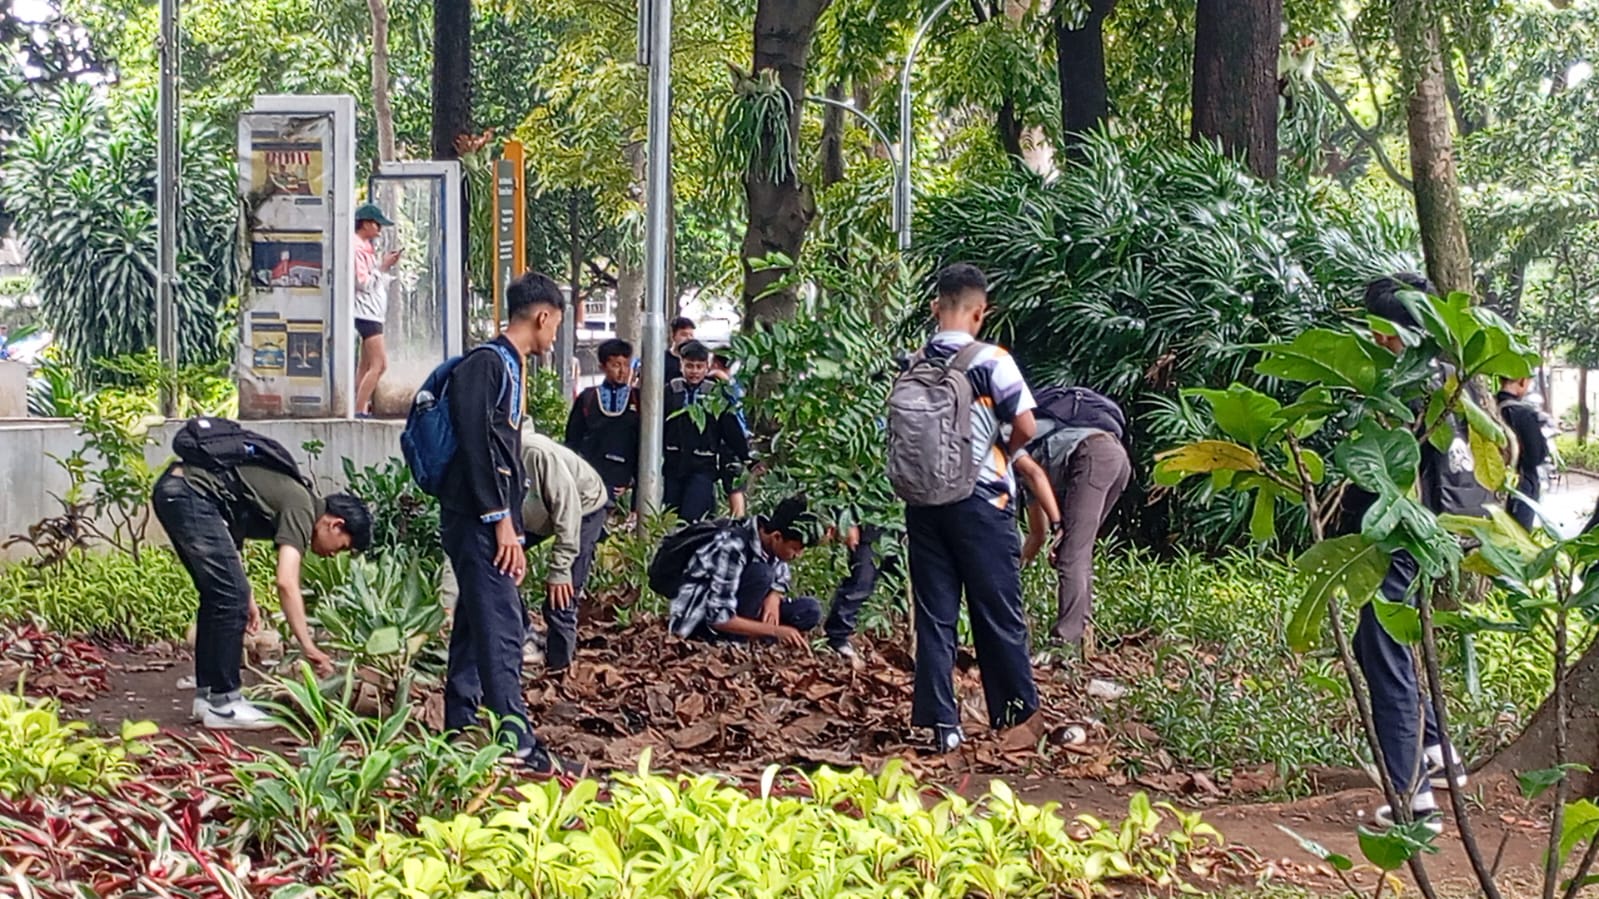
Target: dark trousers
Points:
(856, 588)
(1096, 475)
(1530, 487)
(968, 545)
(1403, 716)
(487, 635)
(203, 543)
(801, 613)
(561, 624)
(691, 494)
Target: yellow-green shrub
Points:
(38, 751)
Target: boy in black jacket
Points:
(697, 455)
(480, 524)
(604, 425)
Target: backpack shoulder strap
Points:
(968, 354)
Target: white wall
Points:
(28, 474)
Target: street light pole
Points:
(907, 134)
(880, 134)
(166, 202)
(656, 22)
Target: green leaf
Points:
(1581, 824)
(138, 730)
(1401, 621)
(1349, 565)
(1380, 459)
(1243, 414)
(1334, 358)
(1204, 457)
(1263, 521)
(1536, 783)
(1339, 862)
(1392, 848)
(383, 641)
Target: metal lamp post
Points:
(907, 133)
(166, 201)
(655, 51)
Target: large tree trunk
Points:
(452, 75)
(1235, 78)
(382, 109)
(1534, 750)
(1432, 159)
(1080, 66)
(779, 211)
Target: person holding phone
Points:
(372, 279)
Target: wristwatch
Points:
(1054, 527)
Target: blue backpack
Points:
(428, 441)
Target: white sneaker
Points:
(238, 715)
(198, 708)
(1424, 807)
(1436, 771)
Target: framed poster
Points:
(296, 174)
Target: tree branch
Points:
(1368, 138)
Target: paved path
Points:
(1571, 501)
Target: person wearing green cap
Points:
(371, 302)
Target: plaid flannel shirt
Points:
(709, 594)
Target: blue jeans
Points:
(970, 546)
(856, 588)
(1404, 718)
(487, 635)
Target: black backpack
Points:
(221, 445)
(1079, 407)
(677, 548)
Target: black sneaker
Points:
(947, 738)
(541, 761)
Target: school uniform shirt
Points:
(486, 406)
(721, 445)
(709, 594)
(561, 490)
(999, 394)
(603, 428)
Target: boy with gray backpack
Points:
(948, 462)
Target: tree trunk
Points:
(452, 75)
(1432, 164)
(382, 109)
(1235, 79)
(779, 211)
(1582, 405)
(1534, 750)
(1080, 66)
(833, 137)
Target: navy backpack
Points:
(428, 441)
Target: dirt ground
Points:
(144, 686)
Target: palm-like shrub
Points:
(81, 185)
(1146, 269)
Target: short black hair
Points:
(791, 520)
(529, 290)
(612, 348)
(722, 359)
(694, 351)
(956, 279)
(1382, 297)
(682, 322)
(357, 519)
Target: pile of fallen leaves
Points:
(47, 664)
(740, 707)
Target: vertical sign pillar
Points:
(510, 223)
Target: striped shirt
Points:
(999, 395)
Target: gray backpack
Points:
(930, 457)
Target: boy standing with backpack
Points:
(948, 462)
(228, 486)
(480, 495)
(698, 453)
(1079, 446)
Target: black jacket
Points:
(607, 441)
(1524, 422)
(719, 446)
(486, 407)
